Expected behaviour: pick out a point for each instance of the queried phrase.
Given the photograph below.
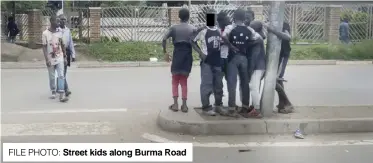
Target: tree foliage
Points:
(22, 6)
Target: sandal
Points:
(282, 110)
(289, 108)
(184, 108)
(173, 108)
(254, 113)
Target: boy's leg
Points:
(67, 91)
(175, 92)
(232, 72)
(218, 85)
(218, 89)
(61, 81)
(206, 88)
(283, 65)
(255, 87)
(52, 80)
(184, 92)
(284, 104)
(244, 81)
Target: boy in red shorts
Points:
(182, 58)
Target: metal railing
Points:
(143, 23)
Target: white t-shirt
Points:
(54, 50)
(224, 49)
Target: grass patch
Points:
(142, 51)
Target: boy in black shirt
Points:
(284, 105)
(211, 68)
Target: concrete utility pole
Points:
(276, 19)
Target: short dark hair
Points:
(221, 16)
(223, 19)
(251, 13)
(10, 18)
(184, 14)
(239, 14)
(53, 18)
(256, 25)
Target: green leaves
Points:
(23, 6)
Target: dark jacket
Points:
(12, 28)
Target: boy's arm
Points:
(71, 46)
(195, 44)
(165, 38)
(225, 37)
(63, 48)
(45, 50)
(282, 35)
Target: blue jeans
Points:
(211, 82)
(59, 68)
(238, 66)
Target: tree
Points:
(21, 7)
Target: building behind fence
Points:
(309, 22)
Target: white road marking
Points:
(67, 111)
(158, 139)
(73, 70)
(58, 129)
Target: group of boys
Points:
(230, 50)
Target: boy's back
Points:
(182, 32)
(240, 37)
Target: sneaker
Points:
(68, 93)
(53, 96)
(209, 111)
(63, 98)
(298, 134)
(254, 113)
(233, 111)
(221, 110)
(184, 108)
(174, 107)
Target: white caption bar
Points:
(97, 152)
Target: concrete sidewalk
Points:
(97, 64)
(311, 120)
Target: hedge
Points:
(142, 51)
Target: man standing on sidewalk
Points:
(55, 56)
(70, 50)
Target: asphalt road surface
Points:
(150, 88)
(121, 105)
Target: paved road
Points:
(149, 88)
(121, 105)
